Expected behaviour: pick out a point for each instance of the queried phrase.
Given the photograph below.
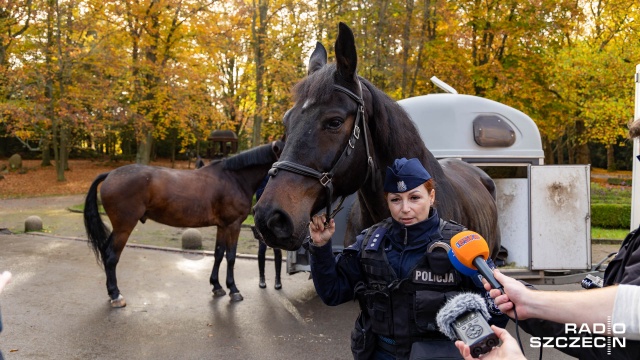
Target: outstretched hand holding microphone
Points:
(469, 253)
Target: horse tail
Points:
(97, 231)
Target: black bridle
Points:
(326, 178)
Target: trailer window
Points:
(493, 131)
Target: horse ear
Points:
(346, 56)
(277, 146)
(318, 59)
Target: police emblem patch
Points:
(402, 187)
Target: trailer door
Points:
(560, 209)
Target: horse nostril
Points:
(280, 224)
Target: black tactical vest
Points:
(404, 310)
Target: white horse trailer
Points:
(544, 210)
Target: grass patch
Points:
(601, 233)
(80, 209)
(610, 194)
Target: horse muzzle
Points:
(277, 228)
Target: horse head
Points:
(327, 152)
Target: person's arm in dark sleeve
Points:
(335, 277)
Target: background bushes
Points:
(611, 216)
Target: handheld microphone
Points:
(467, 271)
(471, 249)
(464, 317)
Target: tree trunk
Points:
(46, 153)
(173, 151)
(380, 56)
(611, 160)
(582, 154)
(62, 129)
(143, 156)
(406, 47)
(559, 152)
(61, 162)
(548, 152)
(259, 33)
(427, 33)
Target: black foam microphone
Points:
(464, 317)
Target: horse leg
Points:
(213, 280)
(231, 284)
(227, 239)
(111, 257)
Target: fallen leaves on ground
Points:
(41, 181)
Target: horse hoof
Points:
(219, 292)
(118, 303)
(236, 297)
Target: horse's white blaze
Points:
(308, 103)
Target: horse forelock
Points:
(316, 87)
(259, 155)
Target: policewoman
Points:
(398, 270)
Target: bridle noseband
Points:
(325, 178)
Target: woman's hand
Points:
(509, 350)
(321, 234)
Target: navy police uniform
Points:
(400, 275)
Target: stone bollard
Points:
(33, 223)
(192, 239)
(15, 162)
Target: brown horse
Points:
(342, 133)
(218, 194)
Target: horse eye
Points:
(334, 124)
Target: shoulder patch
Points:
(375, 232)
(375, 239)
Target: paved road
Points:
(57, 308)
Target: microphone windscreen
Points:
(467, 271)
(468, 245)
(455, 308)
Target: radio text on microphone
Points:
(467, 239)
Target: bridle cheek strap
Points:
(325, 178)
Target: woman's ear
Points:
(432, 197)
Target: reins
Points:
(325, 178)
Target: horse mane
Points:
(634, 129)
(394, 129)
(259, 155)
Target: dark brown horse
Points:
(218, 194)
(342, 133)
